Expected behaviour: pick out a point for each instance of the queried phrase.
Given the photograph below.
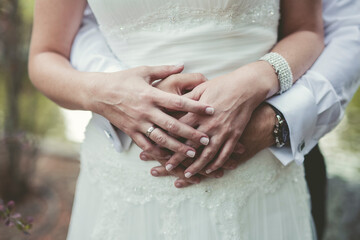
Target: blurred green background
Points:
(39, 142)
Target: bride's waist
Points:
(128, 174)
(210, 53)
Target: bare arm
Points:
(300, 45)
(127, 99)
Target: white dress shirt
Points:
(312, 107)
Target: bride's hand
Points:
(128, 101)
(235, 96)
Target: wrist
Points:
(267, 78)
(92, 91)
(269, 123)
(263, 79)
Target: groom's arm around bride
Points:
(311, 108)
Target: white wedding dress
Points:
(117, 198)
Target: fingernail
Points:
(179, 65)
(169, 167)
(143, 157)
(154, 173)
(210, 110)
(168, 157)
(204, 141)
(188, 175)
(190, 153)
(218, 175)
(233, 166)
(208, 171)
(241, 151)
(178, 185)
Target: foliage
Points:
(351, 133)
(14, 219)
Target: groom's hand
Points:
(179, 84)
(257, 136)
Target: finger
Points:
(176, 159)
(224, 155)
(196, 93)
(159, 171)
(215, 174)
(154, 73)
(169, 142)
(180, 103)
(145, 156)
(155, 153)
(230, 164)
(239, 148)
(142, 142)
(188, 81)
(181, 183)
(175, 127)
(190, 119)
(206, 156)
(179, 172)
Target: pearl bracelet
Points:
(282, 70)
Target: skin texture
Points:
(257, 136)
(300, 44)
(127, 97)
(55, 25)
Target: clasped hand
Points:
(235, 96)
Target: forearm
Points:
(53, 75)
(319, 98)
(55, 25)
(300, 49)
(300, 43)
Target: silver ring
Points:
(149, 131)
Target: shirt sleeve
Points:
(90, 53)
(317, 101)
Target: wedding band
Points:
(149, 131)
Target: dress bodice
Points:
(210, 36)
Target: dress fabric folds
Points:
(117, 198)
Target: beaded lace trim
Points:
(176, 17)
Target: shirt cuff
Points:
(298, 106)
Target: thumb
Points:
(160, 72)
(190, 81)
(196, 93)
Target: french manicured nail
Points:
(154, 173)
(208, 171)
(169, 167)
(190, 153)
(179, 65)
(210, 110)
(178, 185)
(188, 175)
(143, 157)
(204, 141)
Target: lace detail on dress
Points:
(176, 17)
(126, 180)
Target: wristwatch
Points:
(281, 129)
